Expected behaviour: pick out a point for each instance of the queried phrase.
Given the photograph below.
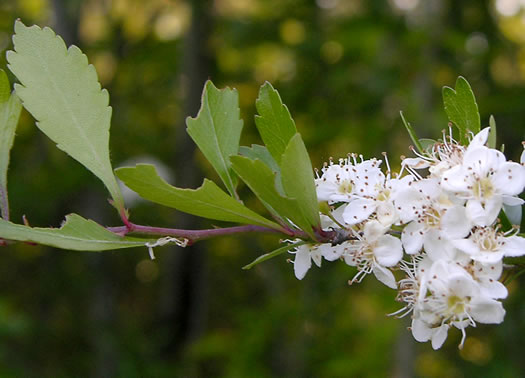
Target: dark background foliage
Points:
(345, 68)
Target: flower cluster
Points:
(435, 224)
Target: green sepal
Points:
(270, 255)
(412, 134)
(491, 141)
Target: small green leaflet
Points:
(412, 134)
(491, 141)
(76, 233)
(270, 255)
(274, 121)
(61, 90)
(10, 108)
(261, 180)
(208, 201)
(262, 153)
(217, 130)
(298, 180)
(462, 109)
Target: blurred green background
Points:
(345, 68)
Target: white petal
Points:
(329, 252)
(412, 238)
(386, 213)
(514, 246)
(455, 223)
(494, 289)
(388, 251)
(302, 263)
(455, 180)
(373, 230)
(385, 276)
(437, 246)
(486, 310)
(316, 256)
(484, 216)
(467, 246)
(439, 336)
(416, 163)
(513, 212)
(480, 138)
(509, 179)
(358, 210)
(420, 330)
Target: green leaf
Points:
(261, 180)
(76, 233)
(270, 255)
(274, 122)
(208, 201)
(262, 153)
(10, 109)
(491, 141)
(462, 109)
(61, 90)
(5, 87)
(217, 130)
(298, 180)
(412, 134)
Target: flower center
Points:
(345, 187)
(456, 305)
(483, 188)
(432, 218)
(384, 195)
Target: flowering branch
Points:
(196, 235)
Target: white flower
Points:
(336, 184)
(373, 252)
(437, 220)
(449, 296)
(305, 253)
(374, 193)
(486, 275)
(488, 245)
(486, 180)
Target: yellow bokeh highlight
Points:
(173, 22)
(93, 23)
(504, 71)
(237, 8)
(34, 9)
(106, 65)
(476, 351)
(332, 52)
(273, 63)
(292, 32)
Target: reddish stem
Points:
(195, 235)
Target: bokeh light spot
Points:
(476, 44)
(331, 52)
(146, 271)
(476, 351)
(292, 32)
